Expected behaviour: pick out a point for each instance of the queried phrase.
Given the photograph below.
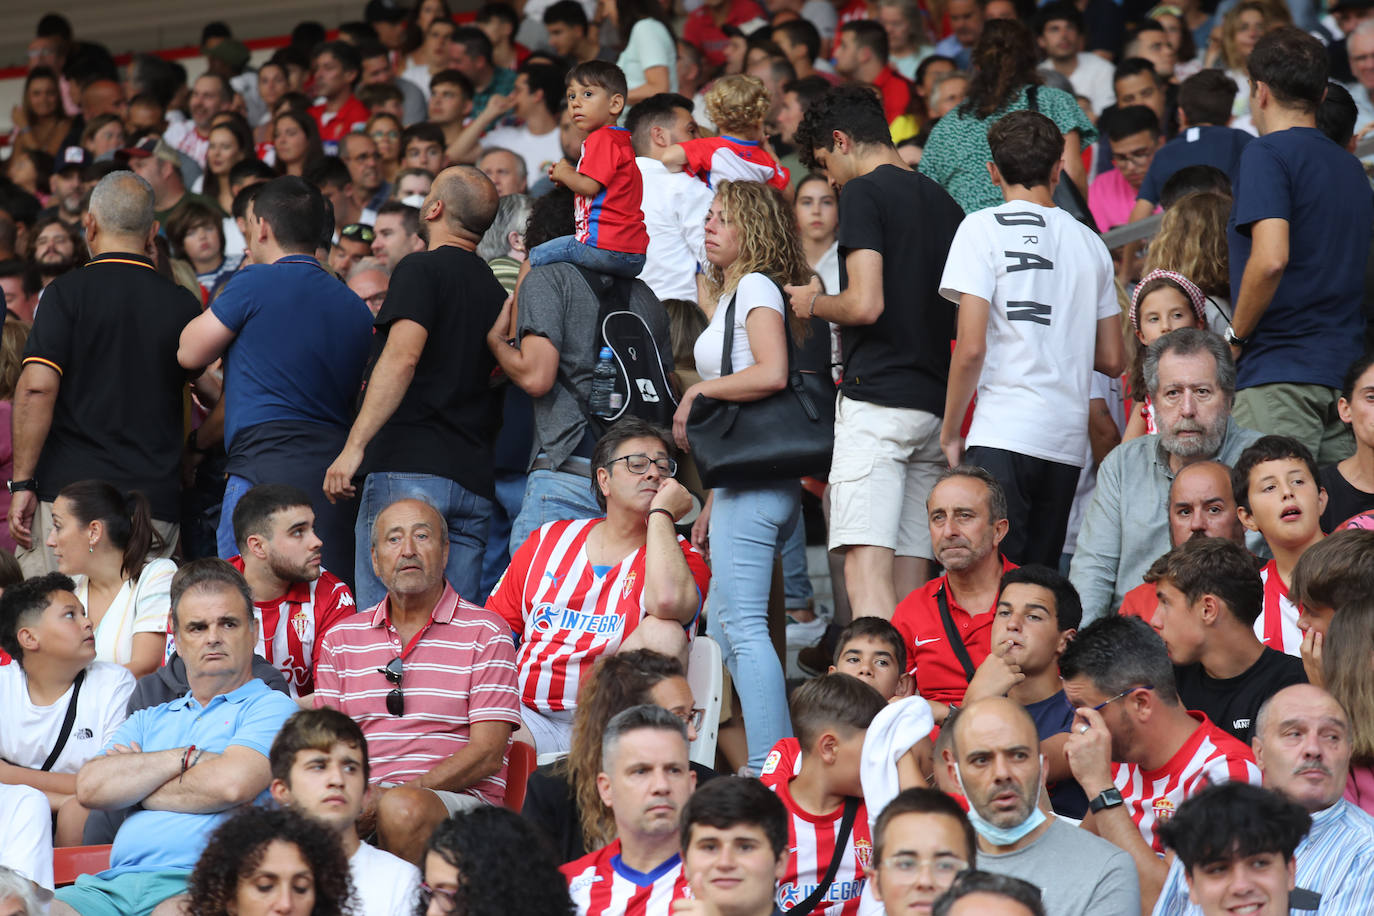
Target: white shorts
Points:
(459, 801)
(551, 731)
(886, 460)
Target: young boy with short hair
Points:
(737, 105)
(320, 768)
(872, 650)
(1279, 494)
(1037, 314)
(734, 848)
(610, 236)
(831, 715)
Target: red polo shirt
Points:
(701, 29)
(1141, 602)
(352, 115)
(896, 93)
(939, 676)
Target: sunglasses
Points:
(395, 700)
(358, 232)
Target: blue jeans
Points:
(568, 250)
(551, 496)
(796, 584)
(510, 491)
(234, 488)
(467, 514)
(748, 527)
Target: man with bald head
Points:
(995, 758)
(429, 678)
(100, 393)
(424, 429)
(1302, 744)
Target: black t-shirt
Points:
(1054, 716)
(902, 359)
(1342, 499)
(112, 328)
(446, 422)
(1232, 703)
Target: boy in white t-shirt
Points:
(319, 767)
(46, 631)
(1037, 314)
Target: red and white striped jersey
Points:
(565, 615)
(600, 884)
(290, 627)
(1209, 756)
(811, 841)
(1277, 624)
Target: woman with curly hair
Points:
(753, 249)
(561, 798)
(468, 869)
(1192, 241)
(270, 861)
(1004, 80)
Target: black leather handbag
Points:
(787, 435)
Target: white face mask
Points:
(1003, 836)
(414, 200)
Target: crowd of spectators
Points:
(433, 394)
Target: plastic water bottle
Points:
(603, 385)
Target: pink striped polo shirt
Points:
(459, 669)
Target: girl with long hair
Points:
(103, 539)
(1004, 80)
(1192, 241)
(385, 131)
(753, 249)
(231, 142)
(44, 123)
(296, 140)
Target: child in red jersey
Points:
(738, 106)
(831, 715)
(610, 237)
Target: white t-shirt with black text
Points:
(383, 884)
(1049, 280)
(29, 732)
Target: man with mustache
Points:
(1302, 744)
(295, 599)
(1191, 380)
(430, 679)
(645, 780)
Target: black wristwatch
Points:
(1233, 338)
(15, 486)
(1111, 798)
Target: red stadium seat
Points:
(70, 861)
(522, 762)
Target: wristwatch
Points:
(1233, 338)
(16, 485)
(1111, 798)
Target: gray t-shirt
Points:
(1078, 873)
(556, 303)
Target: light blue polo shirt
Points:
(247, 717)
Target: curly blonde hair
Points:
(1192, 241)
(1230, 24)
(769, 242)
(738, 104)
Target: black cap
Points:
(384, 11)
(71, 157)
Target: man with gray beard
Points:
(1191, 380)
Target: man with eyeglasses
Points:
(921, 842)
(583, 588)
(1136, 750)
(1134, 137)
(430, 679)
(645, 780)
(995, 756)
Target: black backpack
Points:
(641, 378)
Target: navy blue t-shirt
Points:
(1054, 716)
(1203, 145)
(1314, 327)
(302, 344)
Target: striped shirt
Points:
(1209, 756)
(565, 614)
(1335, 859)
(459, 669)
(811, 841)
(1277, 624)
(600, 884)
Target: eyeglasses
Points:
(1139, 157)
(639, 464)
(1124, 693)
(447, 900)
(386, 135)
(395, 700)
(376, 300)
(940, 867)
(692, 719)
(358, 232)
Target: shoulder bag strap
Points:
(727, 337)
(956, 642)
(851, 811)
(67, 724)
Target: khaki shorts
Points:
(38, 559)
(886, 460)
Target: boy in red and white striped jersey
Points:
(830, 715)
(645, 780)
(1136, 750)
